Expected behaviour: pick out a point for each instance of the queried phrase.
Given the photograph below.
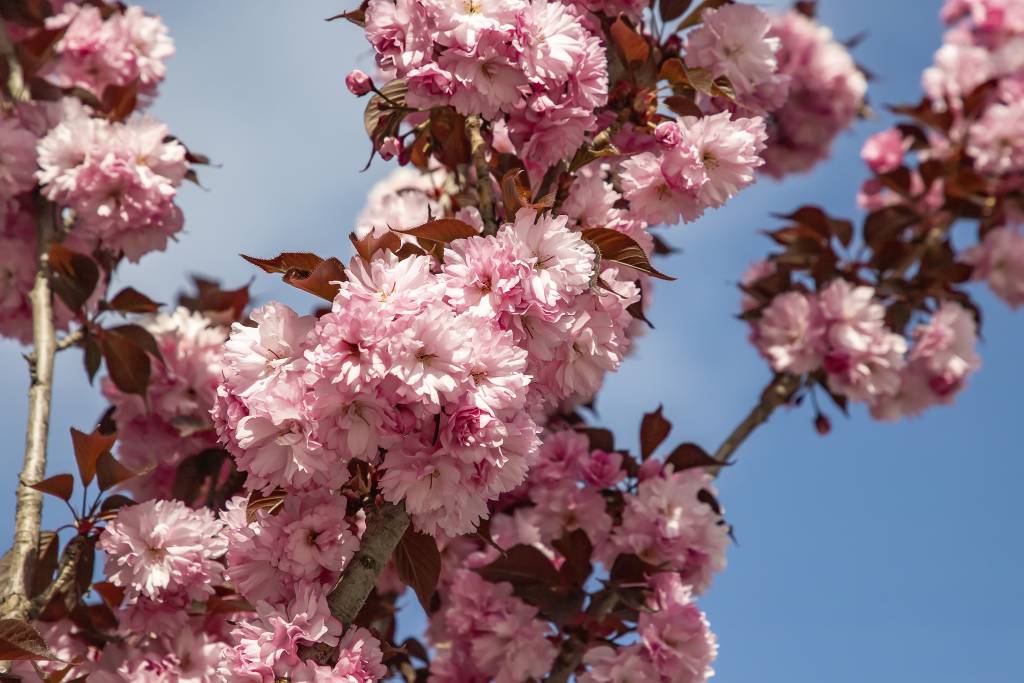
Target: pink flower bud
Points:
(668, 133)
(358, 83)
(390, 147)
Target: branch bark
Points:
(778, 392)
(29, 507)
(384, 529)
(484, 191)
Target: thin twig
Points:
(485, 197)
(777, 393)
(66, 573)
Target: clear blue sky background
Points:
(885, 552)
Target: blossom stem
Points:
(777, 393)
(478, 150)
(29, 505)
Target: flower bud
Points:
(668, 133)
(358, 83)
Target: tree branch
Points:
(384, 529)
(485, 198)
(29, 507)
(778, 392)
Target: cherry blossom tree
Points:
(269, 482)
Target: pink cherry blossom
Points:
(734, 41)
(826, 92)
(999, 260)
(162, 547)
(788, 333)
(883, 151)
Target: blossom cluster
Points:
(443, 369)
(842, 330)
(119, 179)
(113, 182)
(656, 515)
(98, 49)
(172, 421)
(540, 66)
(824, 93)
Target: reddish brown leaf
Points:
(689, 455)
(112, 504)
(128, 363)
(271, 503)
(305, 271)
(600, 439)
(522, 564)
(576, 549)
(653, 430)
(47, 557)
(74, 275)
(435, 235)
(683, 106)
(227, 605)
(60, 485)
(384, 110)
(673, 9)
(616, 247)
(88, 449)
(443, 230)
(223, 306)
(888, 223)
(119, 100)
(448, 130)
(514, 194)
(369, 245)
(20, 642)
(110, 472)
(634, 47)
(130, 300)
(419, 565)
(111, 595)
(674, 71)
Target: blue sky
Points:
(884, 552)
